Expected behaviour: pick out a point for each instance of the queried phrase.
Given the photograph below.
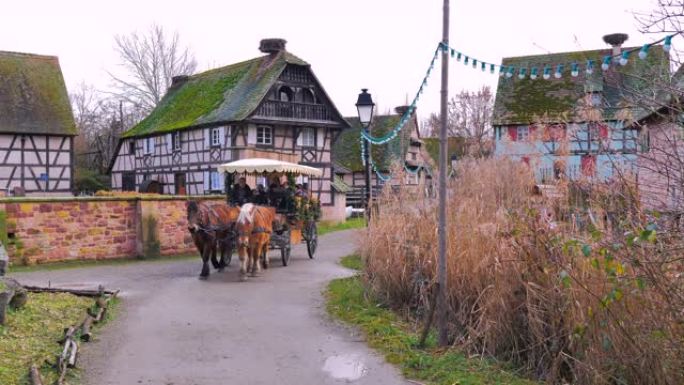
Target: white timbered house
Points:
(407, 146)
(37, 126)
(272, 106)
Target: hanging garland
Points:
(379, 174)
(507, 71)
(559, 69)
(407, 114)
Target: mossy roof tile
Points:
(523, 101)
(225, 94)
(347, 147)
(33, 97)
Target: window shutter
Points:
(251, 134)
(207, 182)
(222, 136)
(229, 136)
(222, 180)
(513, 133)
(207, 137)
(152, 143)
(169, 143)
(320, 134)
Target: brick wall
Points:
(57, 229)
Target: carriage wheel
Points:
(285, 255)
(312, 239)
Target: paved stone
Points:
(176, 329)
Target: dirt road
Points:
(174, 329)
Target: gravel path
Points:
(174, 329)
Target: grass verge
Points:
(385, 332)
(353, 262)
(95, 263)
(31, 334)
(351, 223)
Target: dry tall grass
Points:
(596, 306)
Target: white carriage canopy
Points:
(261, 165)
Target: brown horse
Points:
(254, 227)
(211, 228)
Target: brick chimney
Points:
(616, 40)
(272, 46)
(402, 109)
(178, 80)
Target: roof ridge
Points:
(28, 54)
(586, 51)
(225, 67)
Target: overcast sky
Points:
(383, 45)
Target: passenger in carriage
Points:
(242, 193)
(261, 198)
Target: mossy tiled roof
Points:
(224, 94)
(455, 146)
(523, 101)
(33, 97)
(347, 148)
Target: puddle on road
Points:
(345, 367)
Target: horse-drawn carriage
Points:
(280, 220)
(299, 212)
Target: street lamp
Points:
(365, 106)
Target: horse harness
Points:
(212, 230)
(256, 229)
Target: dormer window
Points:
(522, 133)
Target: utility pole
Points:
(443, 337)
(369, 187)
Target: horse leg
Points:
(206, 251)
(222, 261)
(214, 260)
(222, 246)
(264, 254)
(243, 253)
(255, 253)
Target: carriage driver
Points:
(241, 192)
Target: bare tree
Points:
(101, 119)
(149, 62)
(666, 17)
(430, 126)
(470, 117)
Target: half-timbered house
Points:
(37, 126)
(407, 150)
(581, 125)
(272, 106)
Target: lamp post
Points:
(365, 106)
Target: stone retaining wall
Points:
(40, 230)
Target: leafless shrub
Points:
(601, 303)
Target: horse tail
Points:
(246, 214)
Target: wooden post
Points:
(34, 376)
(441, 262)
(85, 328)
